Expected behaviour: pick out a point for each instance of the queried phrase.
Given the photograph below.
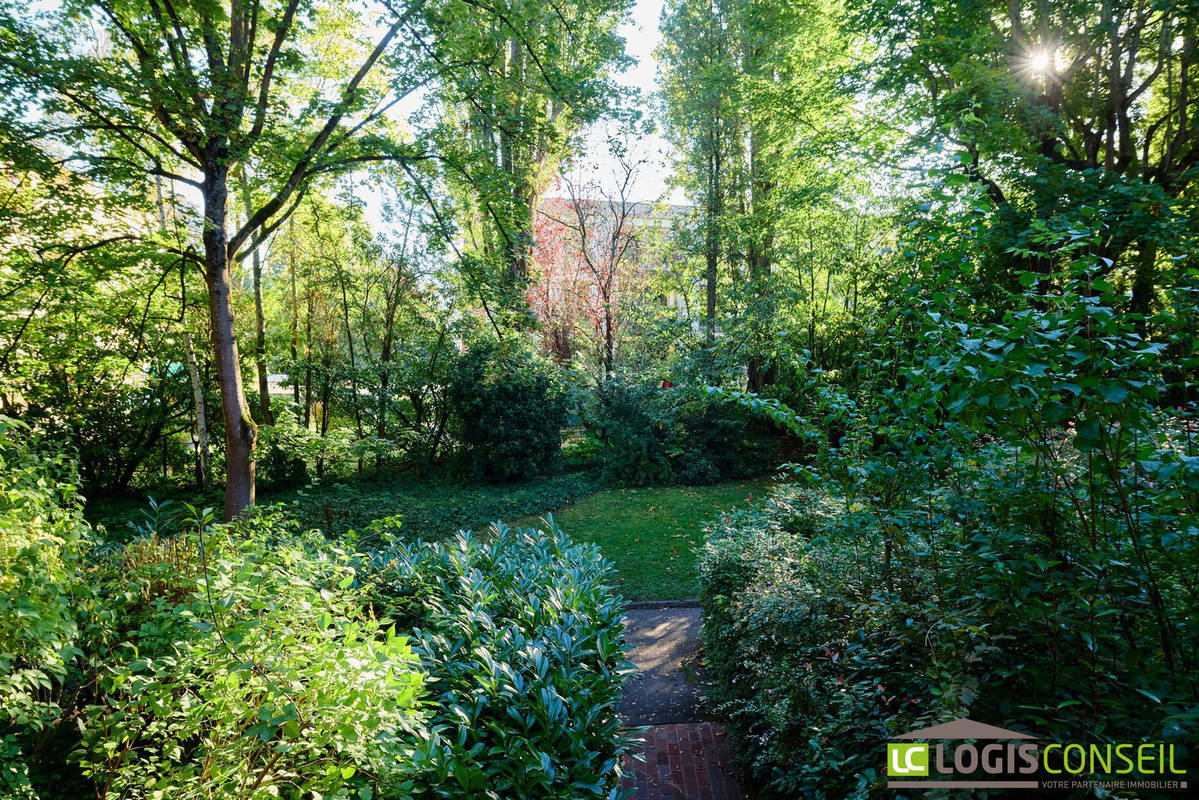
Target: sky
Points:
(594, 163)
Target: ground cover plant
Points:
(431, 509)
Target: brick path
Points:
(684, 762)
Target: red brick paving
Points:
(684, 762)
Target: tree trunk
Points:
(712, 249)
(203, 472)
(1144, 283)
(264, 394)
(385, 354)
(295, 322)
(757, 257)
(609, 340)
(240, 433)
(311, 305)
(326, 396)
(345, 308)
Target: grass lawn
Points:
(651, 534)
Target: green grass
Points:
(651, 534)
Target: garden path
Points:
(685, 756)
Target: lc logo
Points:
(907, 759)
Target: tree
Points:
(1050, 106)
(755, 105)
(88, 319)
(698, 81)
(516, 79)
(587, 247)
(189, 94)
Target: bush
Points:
(248, 660)
(42, 536)
(811, 670)
(652, 436)
(714, 440)
(510, 406)
(832, 623)
(631, 427)
(524, 638)
(252, 670)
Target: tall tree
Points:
(264, 396)
(190, 92)
(755, 107)
(587, 247)
(699, 84)
(516, 79)
(1049, 105)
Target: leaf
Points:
(1150, 695)
(1113, 393)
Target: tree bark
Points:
(385, 354)
(241, 435)
(264, 394)
(1144, 282)
(203, 471)
(758, 255)
(712, 241)
(345, 308)
(295, 321)
(310, 307)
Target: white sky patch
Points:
(594, 163)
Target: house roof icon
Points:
(964, 729)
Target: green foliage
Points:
(807, 663)
(525, 639)
(631, 429)
(262, 674)
(662, 436)
(248, 660)
(511, 407)
(430, 510)
(1004, 530)
(832, 623)
(557, 62)
(42, 539)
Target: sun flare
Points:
(1040, 61)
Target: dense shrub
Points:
(832, 623)
(42, 536)
(650, 435)
(524, 639)
(250, 660)
(1006, 529)
(247, 666)
(631, 427)
(812, 666)
(511, 407)
(121, 430)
